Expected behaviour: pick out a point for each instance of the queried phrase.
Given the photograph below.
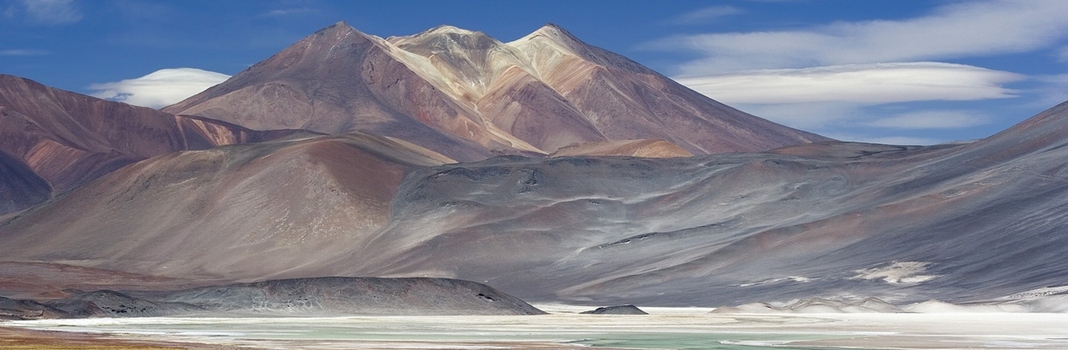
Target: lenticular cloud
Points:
(864, 83)
(160, 88)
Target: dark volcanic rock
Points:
(616, 310)
(106, 303)
(12, 309)
(324, 296)
(352, 296)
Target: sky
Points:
(898, 72)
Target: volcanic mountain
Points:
(955, 222)
(470, 96)
(53, 140)
(391, 190)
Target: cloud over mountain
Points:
(159, 88)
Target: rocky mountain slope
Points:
(470, 96)
(232, 212)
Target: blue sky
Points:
(907, 72)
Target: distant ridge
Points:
(68, 139)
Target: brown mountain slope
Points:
(68, 139)
(469, 95)
(232, 212)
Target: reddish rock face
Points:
(471, 96)
(68, 139)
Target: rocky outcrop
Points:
(616, 310)
(325, 296)
(353, 296)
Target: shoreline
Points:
(663, 328)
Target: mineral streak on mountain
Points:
(624, 148)
(68, 139)
(469, 96)
(239, 212)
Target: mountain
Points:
(470, 96)
(958, 222)
(428, 158)
(67, 139)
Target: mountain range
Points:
(545, 167)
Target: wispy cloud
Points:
(707, 14)
(24, 52)
(811, 116)
(868, 83)
(933, 120)
(288, 12)
(160, 88)
(886, 140)
(955, 30)
(1052, 89)
(52, 12)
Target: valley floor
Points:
(664, 328)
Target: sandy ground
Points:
(564, 328)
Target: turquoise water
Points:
(690, 341)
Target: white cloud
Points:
(288, 12)
(160, 88)
(864, 83)
(933, 120)
(707, 14)
(24, 52)
(1052, 89)
(955, 30)
(885, 139)
(53, 12)
(813, 116)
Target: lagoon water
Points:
(662, 329)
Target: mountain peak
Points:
(445, 38)
(553, 33)
(336, 27)
(447, 29)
